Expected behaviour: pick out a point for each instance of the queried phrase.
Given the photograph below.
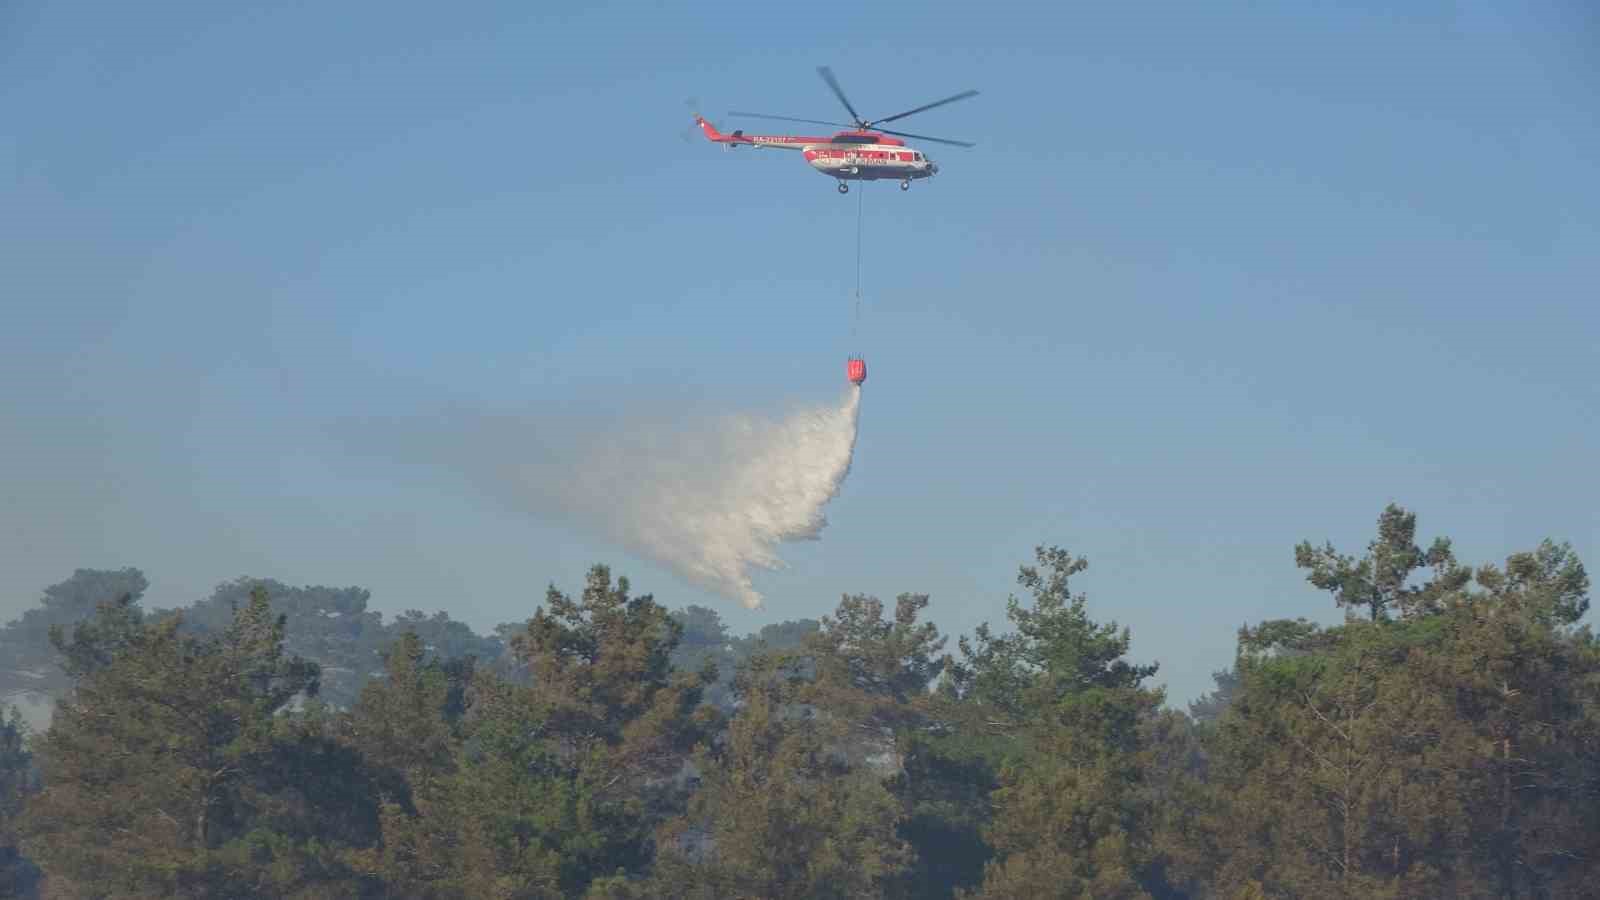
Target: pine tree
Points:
(1072, 816)
(782, 811)
(557, 780)
(169, 773)
(17, 781)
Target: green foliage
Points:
(782, 811)
(776, 638)
(1440, 742)
(705, 646)
(1209, 707)
(1443, 754)
(705, 642)
(330, 625)
(1548, 584)
(1072, 816)
(1056, 652)
(401, 721)
(950, 771)
(1380, 581)
(602, 673)
(443, 637)
(16, 767)
(28, 658)
(856, 649)
(17, 780)
(168, 771)
(806, 792)
(97, 642)
(545, 787)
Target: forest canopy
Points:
(278, 741)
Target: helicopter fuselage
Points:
(856, 162)
(847, 156)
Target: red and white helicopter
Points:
(866, 153)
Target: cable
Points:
(854, 325)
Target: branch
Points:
(1329, 722)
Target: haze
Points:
(1214, 280)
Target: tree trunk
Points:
(1349, 839)
(1508, 872)
(202, 818)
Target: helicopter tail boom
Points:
(712, 134)
(739, 139)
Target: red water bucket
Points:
(856, 370)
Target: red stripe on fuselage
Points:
(800, 140)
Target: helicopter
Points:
(863, 153)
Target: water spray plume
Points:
(710, 502)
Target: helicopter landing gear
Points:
(844, 188)
(905, 184)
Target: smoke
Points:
(710, 500)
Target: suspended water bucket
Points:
(856, 370)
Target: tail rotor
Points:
(691, 131)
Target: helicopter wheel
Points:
(905, 184)
(844, 188)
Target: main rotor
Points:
(861, 124)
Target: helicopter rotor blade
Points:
(827, 75)
(961, 96)
(923, 137)
(753, 115)
(687, 134)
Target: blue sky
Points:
(1215, 279)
